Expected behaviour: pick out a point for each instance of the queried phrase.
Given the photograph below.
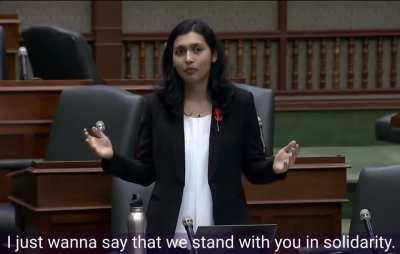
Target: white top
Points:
(196, 199)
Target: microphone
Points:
(24, 63)
(188, 224)
(365, 216)
(100, 125)
(261, 133)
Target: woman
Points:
(198, 134)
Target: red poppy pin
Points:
(218, 116)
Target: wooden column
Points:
(10, 24)
(107, 31)
(282, 27)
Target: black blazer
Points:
(160, 158)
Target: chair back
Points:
(377, 191)
(265, 105)
(120, 111)
(56, 53)
(385, 131)
(81, 108)
(3, 54)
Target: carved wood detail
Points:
(379, 63)
(239, 64)
(142, 60)
(295, 59)
(364, 72)
(309, 70)
(350, 63)
(128, 58)
(336, 65)
(393, 61)
(322, 71)
(267, 64)
(157, 55)
(253, 78)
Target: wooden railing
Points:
(359, 60)
(309, 70)
(315, 61)
(143, 55)
(286, 61)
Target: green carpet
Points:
(328, 128)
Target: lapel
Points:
(215, 135)
(213, 146)
(179, 136)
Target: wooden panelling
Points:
(23, 139)
(33, 188)
(69, 222)
(11, 145)
(11, 27)
(308, 201)
(300, 219)
(53, 197)
(28, 105)
(327, 180)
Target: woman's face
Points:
(192, 58)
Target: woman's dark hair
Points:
(172, 85)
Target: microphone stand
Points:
(188, 224)
(365, 217)
(23, 55)
(261, 133)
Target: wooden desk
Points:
(308, 201)
(53, 196)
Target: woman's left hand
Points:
(286, 157)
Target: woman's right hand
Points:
(99, 143)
